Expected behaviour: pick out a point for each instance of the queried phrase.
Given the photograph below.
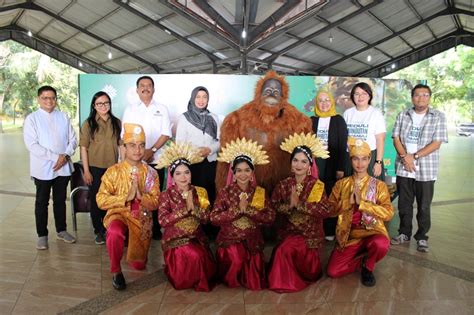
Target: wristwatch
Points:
(154, 149)
(378, 161)
(416, 156)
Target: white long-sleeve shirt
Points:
(154, 119)
(46, 136)
(187, 132)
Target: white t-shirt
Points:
(323, 130)
(412, 139)
(154, 119)
(365, 124)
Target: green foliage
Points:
(23, 71)
(450, 76)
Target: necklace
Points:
(185, 194)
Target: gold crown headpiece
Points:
(308, 140)
(358, 147)
(243, 148)
(178, 152)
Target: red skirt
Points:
(238, 267)
(293, 265)
(190, 266)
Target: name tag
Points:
(157, 113)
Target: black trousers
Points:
(408, 190)
(97, 214)
(43, 191)
(156, 224)
(204, 175)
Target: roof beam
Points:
(50, 49)
(35, 7)
(127, 7)
(388, 28)
(272, 19)
(214, 31)
(218, 19)
(324, 29)
(421, 53)
(414, 10)
(445, 12)
(275, 33)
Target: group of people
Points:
(335, 190)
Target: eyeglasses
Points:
(48, 98)
(422, 95)
(102, 105)
(361, 94)
(324, 100)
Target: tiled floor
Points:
(74, 278)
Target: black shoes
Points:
(367, 277)
(118, 281)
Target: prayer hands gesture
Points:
(243, 204)
(355, 196)
(134, 192)
(189, 200)
(294, 198)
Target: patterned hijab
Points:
(331, 112)
(201, 118)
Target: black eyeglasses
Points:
(102, 105)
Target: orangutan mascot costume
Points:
(267, 119)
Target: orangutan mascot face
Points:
(271, 92)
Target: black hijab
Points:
(201, 118)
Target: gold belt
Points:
(189, 224)
(243, 223)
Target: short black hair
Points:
(146, 77)
(45, 88)
(419, 86)
(364, 86)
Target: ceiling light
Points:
(29, 33)
(109, 55)
(244, 34)
(220, 55)
(80, 64)
(393, 66)
(331, 38)
(369, 58)
(167, 32)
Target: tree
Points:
(450, 76)
(23, 70)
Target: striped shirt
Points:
(433, 128)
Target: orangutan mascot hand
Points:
(267, 119)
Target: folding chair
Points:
(79, 197)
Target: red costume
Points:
(188, 260)
(295, 260)
(268, 125)
(360, 232)
(240, 243)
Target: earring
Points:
(308, 172)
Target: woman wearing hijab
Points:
(331, 129)
(201, 128)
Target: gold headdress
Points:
(308, 140)
(358, 147)
(179, 152)
(243, 148)
(133, 132)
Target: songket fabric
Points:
(188, 260)
(360, 232)
(295, 260)
(135, 215)
(240, 243)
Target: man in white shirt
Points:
(155, 120)
(51, 140)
